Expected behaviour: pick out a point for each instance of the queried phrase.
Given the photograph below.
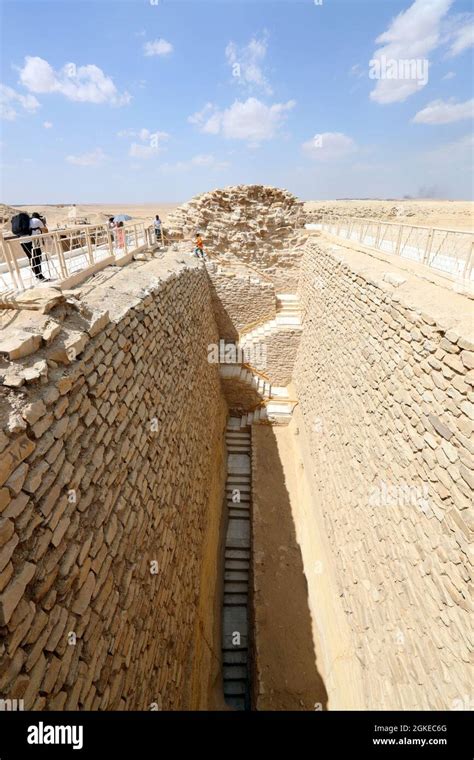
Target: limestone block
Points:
(19, 450)
(98, 320)
(68, 348)
(11, 596)
(16, 506)
(84, 596)
(17, 478)
(18, 344)
(7, 550)
(32, 412)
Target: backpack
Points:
(21, 224)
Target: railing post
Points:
(468, 265)
(429, 243)
(7, 257)
(90, 254)
(399, 241)
(60, 254)
(377, 235)
(125, 246)
(110, 241)
(15, 269)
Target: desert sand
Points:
(56, 215)
(456, 215)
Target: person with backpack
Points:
(22, 225)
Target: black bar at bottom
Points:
(153, 734)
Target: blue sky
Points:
(132, 101)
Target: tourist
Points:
(111, 225)
(120, 235)
(199, 249)
(33, 250)
(157, 226)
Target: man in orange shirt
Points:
(199, 249)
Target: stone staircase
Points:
(288, 315)
(276, 406)
(235, 613)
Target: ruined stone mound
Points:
(251, 222)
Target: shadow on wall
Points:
(224, 321)
(286, 676)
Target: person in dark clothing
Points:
(33, 248)
(157, 226)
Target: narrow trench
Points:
(236, 621)
(268, 650)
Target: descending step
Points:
(235, 622)
(277, 407)
(288, 316)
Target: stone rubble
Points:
(258, 224)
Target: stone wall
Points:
(281, 351)
(240, 299)
(240, 396)
(111, 483)
(384, 377)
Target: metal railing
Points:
(449, 252)
(66, 256)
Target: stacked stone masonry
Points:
(386, 394)
(281, 351)
(109, 464)
(257, 224)
(240, 299)
(112, 465)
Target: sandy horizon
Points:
(456, 215)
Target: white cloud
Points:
(329, 146)
(411, 36)
(456, 155)
(94, 158)
(10, 100)
(157, 47)
(86, 84)
(250, 120)
(461, 34)
(150, 143)
(47, 124)
(449, 75)
(205, 161)
(208, 119)
(357, 71)
(445, 112)
(246, 64)
(142, 134)
(138, 150)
